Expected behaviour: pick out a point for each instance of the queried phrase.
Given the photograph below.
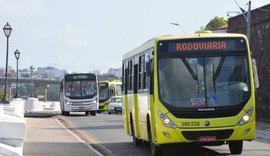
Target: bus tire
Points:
(236, 147)
(93, 113)
(65, 113)
(136, 141)
(156, 150)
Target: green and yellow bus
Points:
(189, 89)
(107, 89)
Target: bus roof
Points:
(150, 43)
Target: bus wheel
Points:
(156, 150)
(93, 113)
(236, 147)
(136, 141)
(65, 113)
(86, 113)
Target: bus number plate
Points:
(193, 123)
(207, 138)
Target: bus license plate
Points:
(207, 138)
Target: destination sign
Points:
(80, 77)
(202, 44)
(103, 84)
(195, 46)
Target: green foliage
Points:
(216, 22)
(1, 95)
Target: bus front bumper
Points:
(165, 135)
(81, 108)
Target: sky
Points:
(84, 35)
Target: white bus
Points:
(79, 93)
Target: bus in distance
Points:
(189, 89)
(107, 89)
(79, 93)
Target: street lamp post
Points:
(7, 30)
(17, 56)
(179, 25)
(32, 70)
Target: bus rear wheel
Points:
(236, 147)
(136, 141)
(156, 150)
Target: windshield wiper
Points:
(214, 82)
(193, 74)
(220, 64)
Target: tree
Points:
(216, 22)
(1, 95)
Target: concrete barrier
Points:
(13, 124)
(35, 108)
(13, 128)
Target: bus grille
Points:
(220, 134)
(80, 103)
(207, 114)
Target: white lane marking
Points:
(79, 139)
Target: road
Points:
(105, 133)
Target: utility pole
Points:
(247, 16)
(248, 20)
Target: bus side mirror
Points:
(149, 68)
(255, 73)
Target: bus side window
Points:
(125, 78)
(61, 86)
(130, 82)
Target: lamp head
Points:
(17, 54)
(7, 30)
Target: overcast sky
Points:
(82, 35)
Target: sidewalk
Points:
(45, 136)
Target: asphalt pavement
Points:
(47, 137)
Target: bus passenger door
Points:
(136, 107)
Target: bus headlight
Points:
(245, 119)
(67, 102)
(166, 121)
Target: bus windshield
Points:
(81, 89)
(103, 91)
(216, 79)
(218, 82)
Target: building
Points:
(50, 73)
(115, 71)
(11, 72)
(220, 29)
(260, 47)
